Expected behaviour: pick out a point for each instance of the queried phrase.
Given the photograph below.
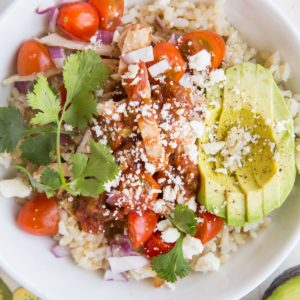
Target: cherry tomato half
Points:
(141, 227)
(209, 227)
(193, 42)
(110, 13)
(165, 50)
(39, 216)
(33, 57)
(155, 246)
(79, 20)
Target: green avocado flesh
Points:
(290, 290)
(5, 293)
(262, 183)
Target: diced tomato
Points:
(79, 20)
(39, 216)
(110, 13)
(155, 246)
(165, 50)
(33, 57)
(138, 88)
(193, 42)
(209, 227)
(141, 226)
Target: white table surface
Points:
(292, 9)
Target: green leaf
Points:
(51, 178)
(38, 149)
(81, 111)
(90, 174)
(45, 101)
(12, 128)
(35, 184)
(171, 265)
(184, 219)
(84, 73)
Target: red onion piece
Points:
(110, 276)
(113, 197)
(60, 251)
(52, 19)
(58, 56)
(173, 39)
(44, 11)
(105, 37)
(23, 86)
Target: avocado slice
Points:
(251, 100)
(285, 287)
(5, 293)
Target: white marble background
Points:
(292, 9)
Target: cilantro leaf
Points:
(37, 149)
(83, 74)
(81, 111)
(184, 219)
(90, 174)
(45, 101)
(50, 178)
(171, 265)
(35, 184)
(12, 128)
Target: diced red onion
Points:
(143, 54)
(23, 86)
(113, 197)
(52, 19)
(173, 39)
(58, 56)
(44, 11)
(60, 251)
(110, 276)
(126, 263)
(105, 37)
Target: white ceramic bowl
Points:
(28, 259)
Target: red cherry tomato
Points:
(79, 20)
(39, 216)
(193, 42)
(155, 246)
(209, 228)
(110, 13)
(33, 57)
(141, 227)
(165, 50)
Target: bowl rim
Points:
(269, 268)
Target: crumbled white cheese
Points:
(207, 263)
(163, 225)
(191, 246)
(5, 159)
(200, 61)
(112, 184)
(217, 76)
(170, 235)
(68, 127)
(213, 148)
(281, 126)
(198, 128)
(192, 151)
(159, 68)
(169, 193)
(14, 188)
(294, 107)
(150, 168)
(186, 81)
(132, 72)
(159, 206)
(191, 204)
(142, 54)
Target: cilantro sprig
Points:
(83, 74)
(172, 265)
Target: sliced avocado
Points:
(285, 287)
(5, 293)
(251, 100)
